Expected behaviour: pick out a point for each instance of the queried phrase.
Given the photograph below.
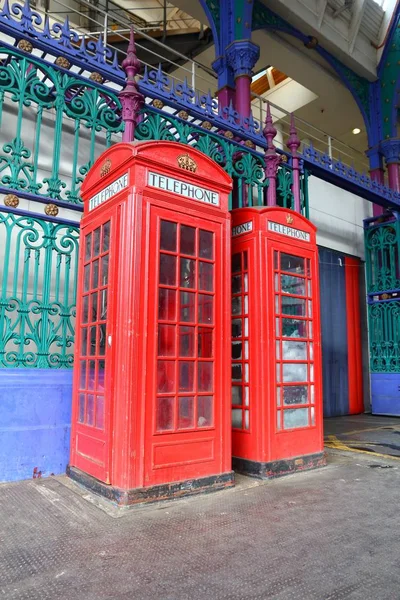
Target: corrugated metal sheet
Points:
(372, 21)
(334, 333)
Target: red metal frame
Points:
(167, 357)
(285, 406)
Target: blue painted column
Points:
(226, 83)
(242, 56)
(35, 422)
(391, 151)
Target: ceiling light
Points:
(356, 131)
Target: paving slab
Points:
(328, 534)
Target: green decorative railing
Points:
(38, 262)
(244, 164)
(384, 331)
(47, 112)
(382, 248)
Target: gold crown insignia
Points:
(187, 163)
(289, 219)
(105, 168)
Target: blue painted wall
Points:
(35, 422)
(334, 332)
(385, 394)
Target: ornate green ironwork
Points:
(382, 250)
(384, 331)
(245, 166)
(37, 302)
(76, 108)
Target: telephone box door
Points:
(185, 355)
(93, 369)
(295, 327)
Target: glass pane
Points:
(92, 341)
(186, 341)
(312, 394)
(311, 372)
(187, 272)
(100, 412)
(295, 372)
(246, 327)
(84, 334)
(292, 264)
(237, 418)
(276, 260)
(237, 263)
(165, 414)
(277, 305)
(312, 415)
(237, 372)
(86, 278)
(293, 285)
(93, 300)
(245, 260)
(246, 395)
(237, 305)
(236, 284)
(205, 342)
(88, 246)
(204, 411)
(309, 308)
(276, 285)
(81, 408)
(278, 372)
(96, 242)
(92, 375)
(167, 269)
(187, 306)
(106, 237)
(103, 305)
(236, 328)
(293, 306)
(85, 309)
(82, 375)
(186, 376)
(166, 304)
(246, 373)
(206, 244)
(277, 350)
(309, 288)
(90, 410)
(237, 348)
(102, 339)
(246, 305)
(246, 419)
(165, 376)
(104, 270)
(246, 282)
(188, 240)
(311, 347)
(185, 412)
(95, 273)
(294, 350)
(295, 417)
(206, 276)
(205, 376)
(278, 396)
(101, 371)
(168, 236)
(294, 328)
(277, 327)
(278, 421)
(237, 395)
(295, 394)
(205, 309)
(246, 350)
(166, 340)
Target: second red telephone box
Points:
(276, 361)
(151, 388)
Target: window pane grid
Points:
(240, 343)
(93, 330)
(294, 342)
(185, 369)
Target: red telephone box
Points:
(151, 387)
(276, 358)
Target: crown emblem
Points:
(289, 219)
(187, 163)
(105, 168)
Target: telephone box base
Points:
(278, 468)
(155, 493)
